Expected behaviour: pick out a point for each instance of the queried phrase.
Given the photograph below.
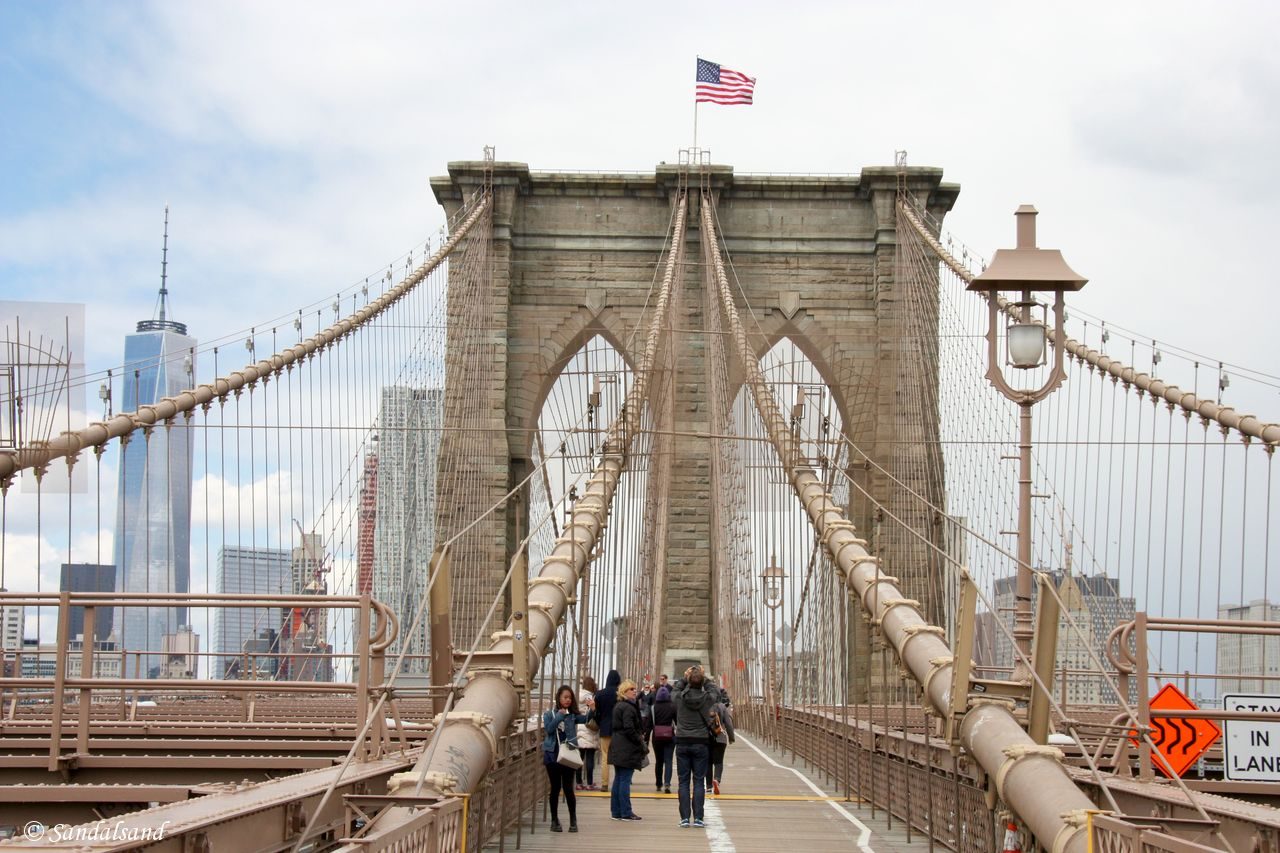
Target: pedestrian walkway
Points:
(765, 806)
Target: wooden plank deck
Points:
(763, 807)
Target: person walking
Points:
(720, 740)
(627, 751)
(664, 738)
(605, 701)
(645, 702)
(693, 700)
(560, 724)
(588, 735)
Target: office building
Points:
(89, 577)
(1096, 607)
(12, 627)
(247, 571)
(180, 654)
(39, 660)
(153, 512)
(107, 662)
(306, 654)
(1249, 663)
(409, 422)
(368, 520)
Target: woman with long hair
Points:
(560, 723)
(627, 752)
(720, 741)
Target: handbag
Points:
(568, 756)
(593, 724)
(664, 731)
(645, 762)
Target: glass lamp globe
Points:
(1026, 344)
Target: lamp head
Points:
(1026, 267)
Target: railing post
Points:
(377, 677)
(86, 671)
(1144, 697)
(362, 666)
(59, 679)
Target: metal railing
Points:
(1110, 834)
(71, 696)
(901, 777)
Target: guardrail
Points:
(71, 695)
(942, 800)
(1109, 834)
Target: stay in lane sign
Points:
(1251, 749)
(1179, 740)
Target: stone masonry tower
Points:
(574, 256)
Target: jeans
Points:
(691, 761)
(620, 793)
(587, 772)
(663, 753)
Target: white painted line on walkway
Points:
(864, 833)
(717, 833)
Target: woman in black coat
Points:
(627, 752)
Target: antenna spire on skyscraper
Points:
(161, 321)
(164, 264)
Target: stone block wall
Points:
(578, 256)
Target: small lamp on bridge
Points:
(1025, 270)
(773, 578)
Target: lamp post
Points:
(1025, 270)
(773, 577)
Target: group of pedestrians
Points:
(689, 720)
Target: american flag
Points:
(721, 85)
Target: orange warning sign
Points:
(1179, 741)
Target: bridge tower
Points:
(573, 257)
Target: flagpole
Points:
(695, 122)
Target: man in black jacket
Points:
(694, 698)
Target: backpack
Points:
(715, 724)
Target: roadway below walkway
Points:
(765, 805)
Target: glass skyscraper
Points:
(153, 513)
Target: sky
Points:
(294, 142)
